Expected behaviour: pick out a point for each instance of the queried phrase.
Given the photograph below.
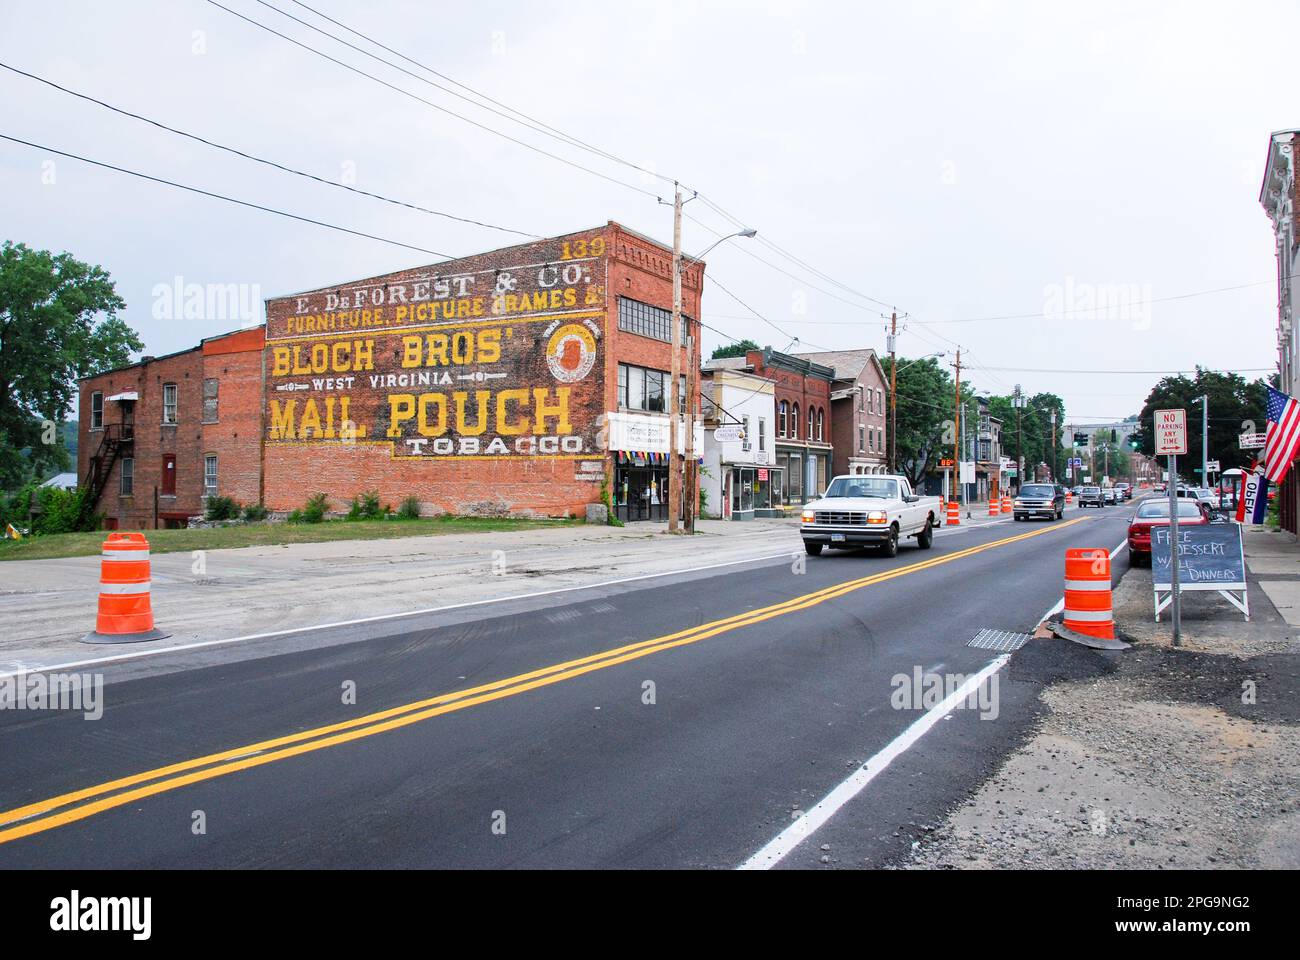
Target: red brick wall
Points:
(235, 361)
(797, 388)
(152, 438)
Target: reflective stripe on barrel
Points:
(124, 577)
(1087, 592)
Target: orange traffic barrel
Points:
(1006, 504)
(954, 513)
(125, 611)
(1087, 592)
(994, 509)
(1069, 497)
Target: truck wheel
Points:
(890, 547)
(925, 539)
(813, 549)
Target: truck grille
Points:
(840, 517)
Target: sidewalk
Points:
(47, 605)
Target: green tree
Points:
(926, 421)
(735, 349)
(58, 322)
(1236, 406)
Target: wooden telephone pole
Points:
(893, 392)
(674, 409)
(956, 439)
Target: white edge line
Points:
(784, 843)
(177, 648)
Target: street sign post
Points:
(1170, 441)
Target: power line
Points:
(270, 163)
(430, 103)
(219, 196)
(532, 122)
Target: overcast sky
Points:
(967, 160)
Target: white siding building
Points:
(738, 477)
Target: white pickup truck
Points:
(869, 510)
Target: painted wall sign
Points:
(466, 359)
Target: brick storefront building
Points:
(859, 404)
(157, 436)
(802, 465)
(514, 381)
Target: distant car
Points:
(1155, 513)
(1076, 490)
(1091, 497)
(1124, 491)
(1109, 495)
(1039, 500)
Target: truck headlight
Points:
(809, 516)
(877, 516)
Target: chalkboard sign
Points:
(1209, 557)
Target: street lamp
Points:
(1204, 401)
(893, 406)
(692, 370)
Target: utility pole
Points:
(956, 440)
(674, 409)
(1056, 442)
(1020, 441)
(893, 392)
(1205, 439)
(692, 478)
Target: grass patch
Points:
(58, 545)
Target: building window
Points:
(812, 422)
(794, 423)
(210, 475)
(780, 420)
(127, 479)
(860, 392)
(647, 321)
(821, 423)
(744, 426)
(762, 433)
(169, 403)
(880, 401)
(640, 388)
(96, 411)
(210, 401)
(862, 438)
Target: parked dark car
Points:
(1039, 500)
(1091, 497)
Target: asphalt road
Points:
(514, 735)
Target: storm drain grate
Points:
(1002, 640)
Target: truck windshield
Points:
(1038, 490)
(878, 487)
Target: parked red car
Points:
(1155, 513)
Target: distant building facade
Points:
(1279, 196)
(738, 473)
(859, 408)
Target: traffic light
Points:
(1133, 442)
(1080, 439)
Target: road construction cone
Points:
(1069, 498)
(954, 513)
(994, 509)
(1087, 593)
(1006, 504)
(125, 612)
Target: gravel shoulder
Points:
(1162, 758)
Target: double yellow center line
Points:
(81, 804)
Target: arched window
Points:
(780, 423)
(812, 422)
(794, 423)
(821, 422)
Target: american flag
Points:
(1282, 437)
